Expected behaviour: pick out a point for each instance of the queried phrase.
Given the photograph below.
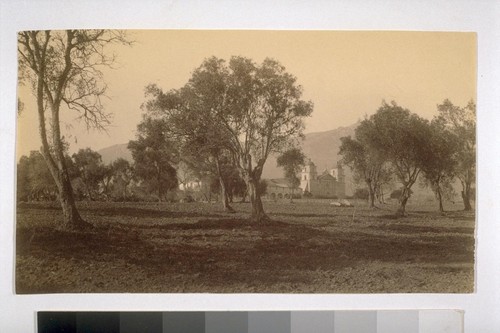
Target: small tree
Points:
(123, 174)
(361, 193)
(230, 177)
(34, 181)
(402, 138)
(210, 158)
(461, 123)
(22, 179)
(440, 167)
(63, 70)
(190, 111)
(154, 154)
(385, 181)
(90, 169)
(235, 184)
(366, 162)
(106, 181)
(292, 161)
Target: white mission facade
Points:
(329, 184)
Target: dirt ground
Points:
(309, 247)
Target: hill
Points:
(112, 153)
(320, 147)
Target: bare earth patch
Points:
(309, 247)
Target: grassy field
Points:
(309, 247)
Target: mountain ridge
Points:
(321, 147)
(114, 152)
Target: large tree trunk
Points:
(466, 189)
(72, 218)
(224, 197)
(160, 191)
(371, 193)
(405, 195)
(440, 199)
(258, 214)
(466, 199)
(466, 181)
(437, 190)
(406, 191)
(244, 197)
(59, 172)
(56, 163)
(159, 172)
(223, 191)
(380, 195)
(252, 176)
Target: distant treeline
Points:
(93, 180)
(395, 144)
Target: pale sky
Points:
(345, 74)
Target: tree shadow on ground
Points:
(415, 229)
(147, 213)
(240, 252)
(125, 211)
(304, 215)
(44, 205)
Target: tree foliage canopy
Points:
(34, 181)
(441, 165)
(65, 67)
(236, 109)
(154, 154)
(402, 138)
(460, 123)
(292, 161)
(89, 167)
(367, 163)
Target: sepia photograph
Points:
(245, 161)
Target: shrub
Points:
(361, 193)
